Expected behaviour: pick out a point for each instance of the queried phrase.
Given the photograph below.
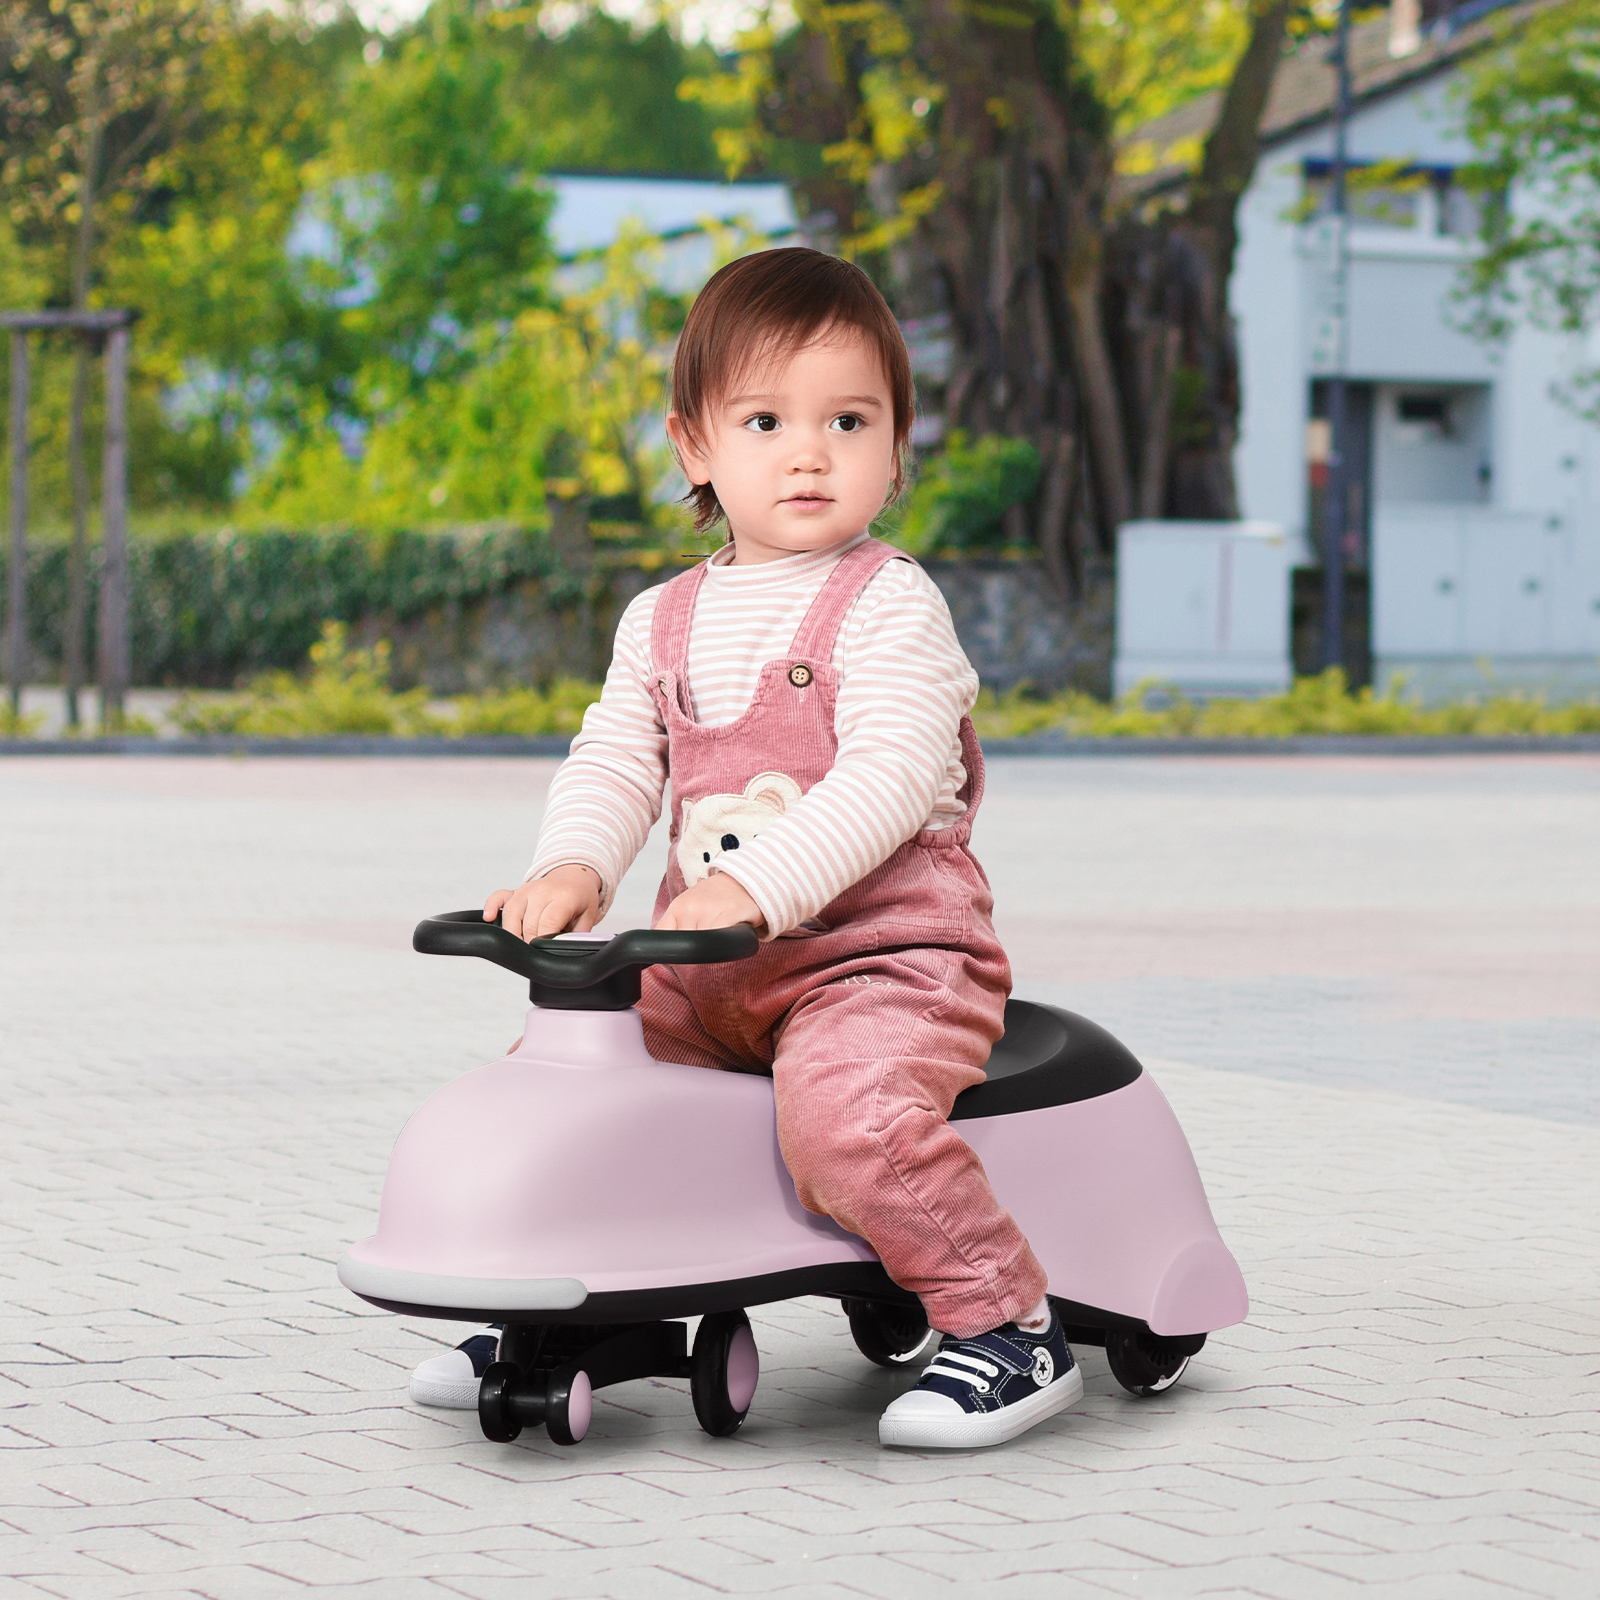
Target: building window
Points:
(1393, 194)
(1428, 414)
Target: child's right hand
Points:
(566, 900)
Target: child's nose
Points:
(810, 453)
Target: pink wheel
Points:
(568, 1405)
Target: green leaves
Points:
(1533, 109)
(962, 495)
(347, 690)
(440, 223)
(339, 250)
(1323, 704)
(209, 608)
(562, 399)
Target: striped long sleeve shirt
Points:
(905, 684)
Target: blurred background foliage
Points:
(338, 239)
(346, 691)
(959, 503)
(350, 312)
(359, 358)
(210, 607)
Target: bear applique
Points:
(717, 823)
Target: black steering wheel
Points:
(581, 974)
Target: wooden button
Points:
(800, 676)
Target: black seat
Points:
(1047, 1057)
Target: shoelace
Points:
(935, 1369)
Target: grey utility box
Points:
(1203, 606)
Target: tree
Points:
(600, 94)
(228, 333)
(1168, 302)
(1533, 110)
(969, 155)
(562, 400)
(440, 223)
(92, 98)
(353, 220)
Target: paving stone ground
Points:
(1371, 989)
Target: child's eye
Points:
(762, 422)
(849, 422)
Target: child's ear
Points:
(691, 457)
(775, 789)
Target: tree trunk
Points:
(1162, 369)
(82, 260)
(1024, 163)
(1101, 400)
(1175, 335)
(1233, 145)
(1109, 348)
(1057, 522)
(813, 102)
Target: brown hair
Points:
(768, 306)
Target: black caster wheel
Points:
(724, 1371)
(892, 1336)
(1145, 1364)
(494, 1409)
(568, 1405)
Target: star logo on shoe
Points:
(1044, 1369)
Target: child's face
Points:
(802, 454)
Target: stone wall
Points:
(1015, 629)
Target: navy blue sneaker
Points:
(451, 1380)
(985, 1390)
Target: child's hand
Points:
(715, 902)
(566, 900)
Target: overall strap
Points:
(672, 620)
(972, 760)
(815, 638)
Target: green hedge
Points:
(210, 608)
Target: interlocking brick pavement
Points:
(1365, 986)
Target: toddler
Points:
(804, 691)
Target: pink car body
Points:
(578, 1179)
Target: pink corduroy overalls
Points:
(874, 1020)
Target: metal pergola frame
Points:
(111, 329)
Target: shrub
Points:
(210, 608)
(962, 495)
(347, 691)
(1319, 705)
(526, 713)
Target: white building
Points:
(591, 209)
(1480, 489)
(1476, 489)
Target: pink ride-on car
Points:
(587, 1197)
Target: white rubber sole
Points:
(459, 1394)
(972, 1431)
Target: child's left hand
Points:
(715, 902)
